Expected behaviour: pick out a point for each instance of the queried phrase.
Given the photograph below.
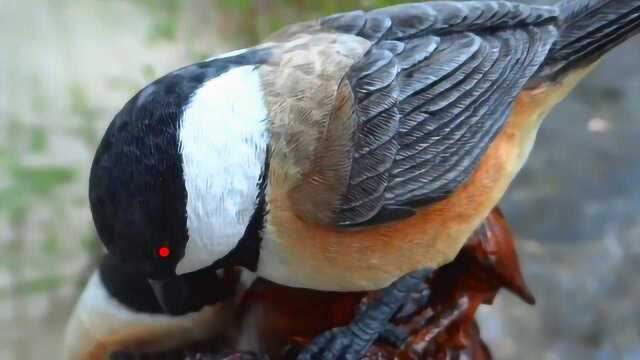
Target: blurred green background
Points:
(67, 66)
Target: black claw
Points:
(331, 345)
(332, 352)
(394, 336)
(353, 341)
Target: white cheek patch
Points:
(223, 141)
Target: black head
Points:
(137, 188)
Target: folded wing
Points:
(430, 94)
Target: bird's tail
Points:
(587, 30)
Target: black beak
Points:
(182, 294)
(172, 294)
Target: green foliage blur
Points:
(252, 20)
(29, 185)
(25, 185)
(247, 22)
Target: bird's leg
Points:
(353, 341)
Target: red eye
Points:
(164, 252)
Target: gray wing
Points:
(431, 94)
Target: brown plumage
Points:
(311, 121)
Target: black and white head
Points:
(177, 183)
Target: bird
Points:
(117, 311)
(355, 152)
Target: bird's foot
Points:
(348, 343)
(353, 341)
(395, 336)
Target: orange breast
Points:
(298, 253)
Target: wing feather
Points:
(430, 94)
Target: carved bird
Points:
(355, 152)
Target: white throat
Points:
(223, 141)
(100, 324)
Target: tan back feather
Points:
(313, 120)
